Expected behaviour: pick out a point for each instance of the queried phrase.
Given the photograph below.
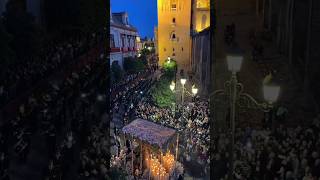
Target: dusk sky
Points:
(142, 14)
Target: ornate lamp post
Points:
(184, 91)
(233, 91)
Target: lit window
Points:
(204, 21)
(173, 6)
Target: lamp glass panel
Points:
(234, 63)
(183, 81)
(271, 93)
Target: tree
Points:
(170, 68)
(117, 72)
(161, 94)
(132, 65)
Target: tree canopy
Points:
(133, 65)
(117, 72)
(161, 93)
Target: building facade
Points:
(294, 25)
(201, 62)
(200, 51)
(200, 15)
(174, 40)
(122, 38)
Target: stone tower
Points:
(174, 40)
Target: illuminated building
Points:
(122, 38)
(178, 21)
(174, 40)
(201, 63)
(200, 15)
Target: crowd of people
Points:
(287, 153)
(59, 112)
(18, 77)
(192, 122)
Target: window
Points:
(112, 43)
(164, 49)
(173, 49)
(173, 54)
(174, 20)
(182, 49)
(204, 21)
(173, 6)
(123, 41)
(173, 36)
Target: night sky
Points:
(142, 14)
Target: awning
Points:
(150, 132)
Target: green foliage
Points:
(132, 65)
(117, 72)
(161, 93)
(170, 68)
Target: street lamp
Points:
(234, 63)
(271, 93)
(172, 86)
(169, 59)
(234, 93)
(184, 92)
(194, 90)
(183, 82)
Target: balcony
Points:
(203, 5)
(124, 49)
(115, 49)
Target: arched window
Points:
(203, 22)
(173, 36)
(173, 5)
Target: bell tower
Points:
(174, 40)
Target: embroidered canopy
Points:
(150, 132)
